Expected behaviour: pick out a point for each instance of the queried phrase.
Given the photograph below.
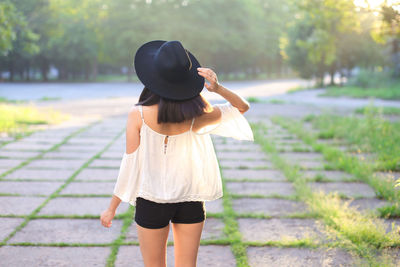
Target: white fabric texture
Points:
(186, 169)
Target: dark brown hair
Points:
(170, 110)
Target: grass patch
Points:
(359, 92)
(48, 98)
(253, 99)
(368, 84)
(369, 134)
(382, 110)
(17, 119)
(276, 101)
(363, 234)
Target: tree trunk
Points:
(332, 74)
(11, 70)
(44, 68)
(94, 69)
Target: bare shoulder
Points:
(208, 118)
(134, 117)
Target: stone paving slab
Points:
(222, 147)
(364, 204)
(15, 205)
(289, 257)
(244, 164)
(348, 189)
(309, 165)
(272, 175)
(268, 206)
(43, 139)
(288, 148)
(29, 188)
(81, 141)
(67, 230)
(8, 225)
(83, 188)
(69, 155)
(56, 163)
(212, 230)
(70, 148)
(32, 174)
(35, 256)
(112, 154)
(121, 148)
(92, 174)
(79, 206)
(263, 230)
(19, 154)
(289, 141)
(246, 155)
(301, 156)
(108, 163)
(228, 140)
(25, 146)
(262, 188)
(10, 163)
(214, 206)
(330, 175)
(208, 255)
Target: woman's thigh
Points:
(187, 226)
(186, 242)
(152, 222)
(153, 245)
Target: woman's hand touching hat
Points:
(211, 76)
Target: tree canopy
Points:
(86, 37)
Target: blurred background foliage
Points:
(85, 39)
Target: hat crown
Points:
(172, 61)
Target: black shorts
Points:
(155, 215)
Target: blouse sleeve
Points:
(233, 124)
(127, 184)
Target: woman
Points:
(170, 168)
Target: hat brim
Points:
(149, 76)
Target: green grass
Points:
(5, 100)
(253, 99)
(368, 84)
(382, 110)
(361, 233)
(369, 134)
(276, 101)
(359, 92)
(16, 119)
(48, 98)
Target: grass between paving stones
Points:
(361, 234)
(362, 170)
(54, 194)
(53, 148)
(231, 228)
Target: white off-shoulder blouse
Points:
(184, 169)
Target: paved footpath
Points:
(55, 183)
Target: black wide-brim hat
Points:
(169, 70)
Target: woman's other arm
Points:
(132, 143)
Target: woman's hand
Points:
(106, 217)
(210, 75)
